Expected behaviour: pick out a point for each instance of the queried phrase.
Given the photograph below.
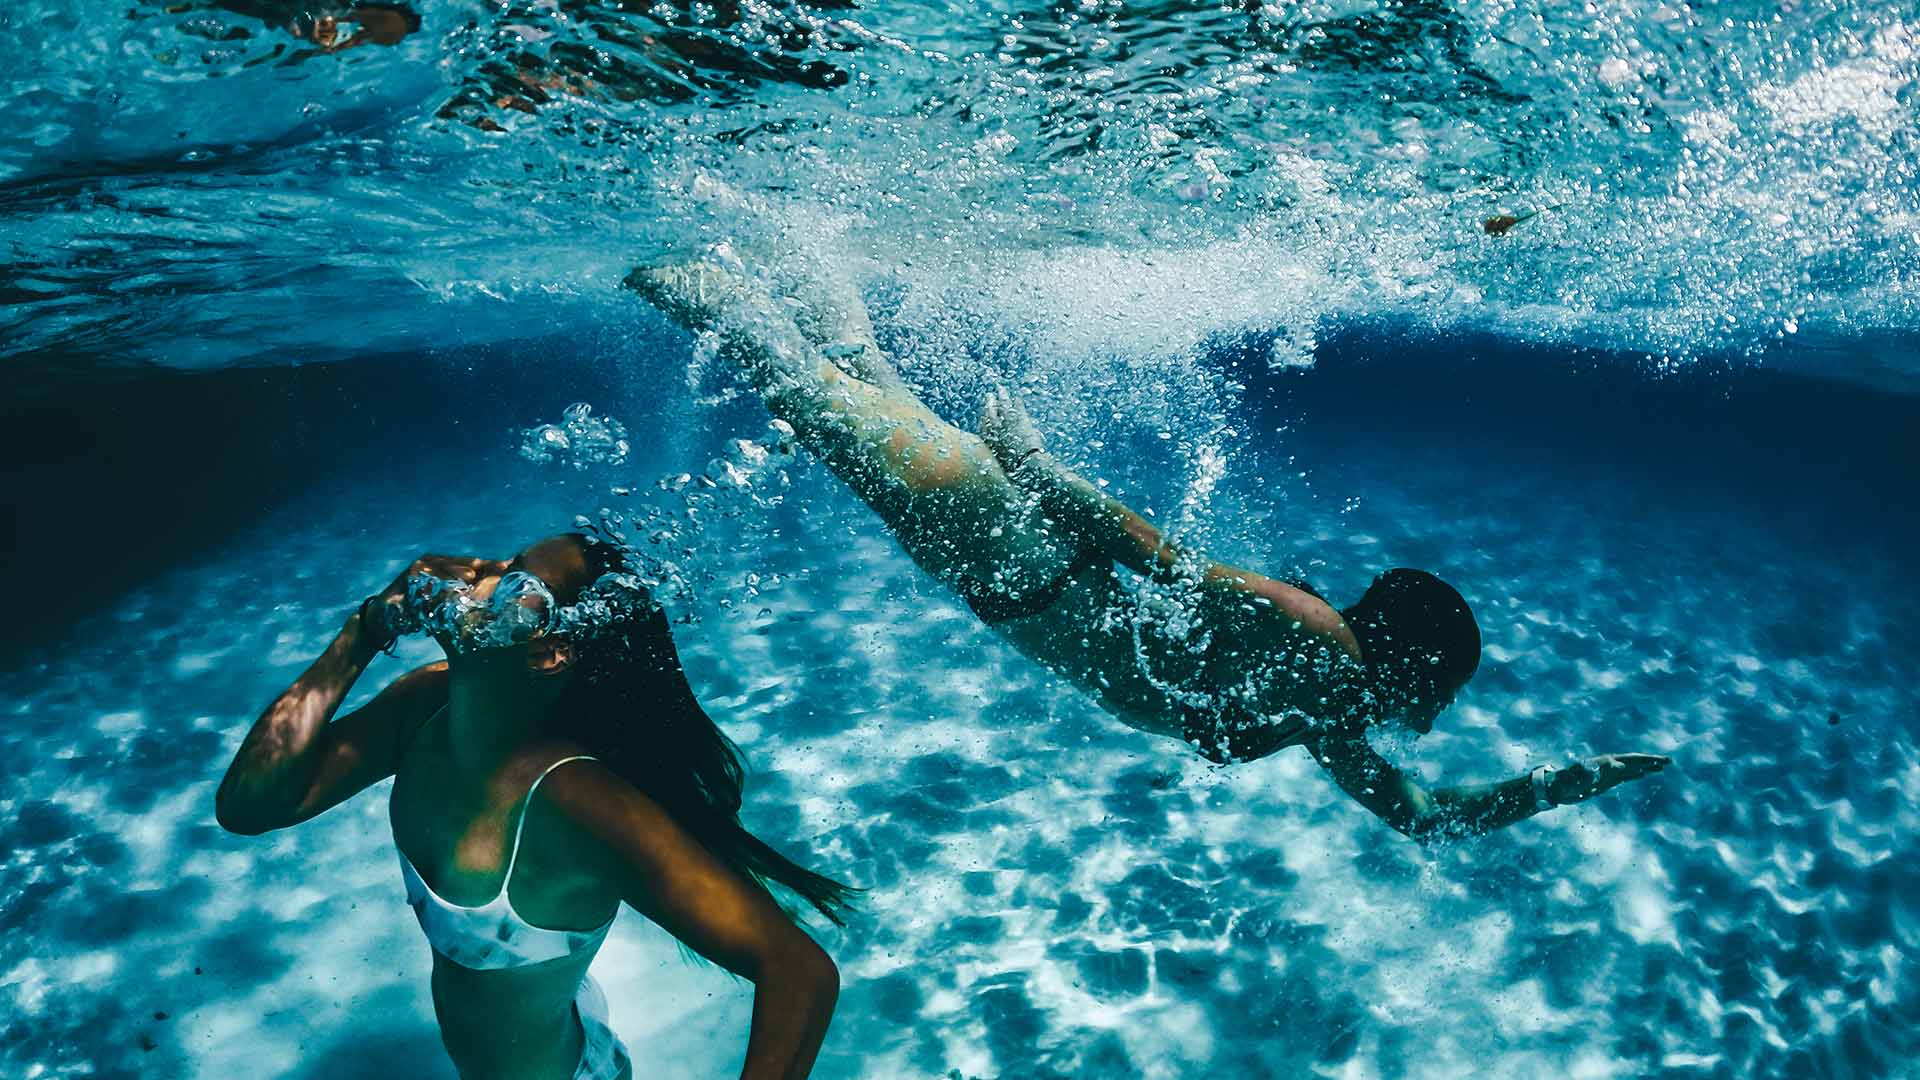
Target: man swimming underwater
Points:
(1235, 663)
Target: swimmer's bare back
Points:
(1257, 665)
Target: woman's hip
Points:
(602, 1055)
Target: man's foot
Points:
(1007, 430)
(829, 311)
(756, 332)
(698, 294)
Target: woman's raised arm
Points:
(293, 763)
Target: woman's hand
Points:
(1008, 431)
(387, 609)
(1582, 781)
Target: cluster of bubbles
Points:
(520, 608)
(579, 440)
(663, 536)
(672, 533)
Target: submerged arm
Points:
(294, 764)
(1469, 809)
(666, 874)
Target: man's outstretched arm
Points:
(1470, 809)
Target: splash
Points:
(662, 533)
(673, 533)
(1723, 182)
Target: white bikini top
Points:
(493, 935)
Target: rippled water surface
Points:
(192, 184)
(1607, 313)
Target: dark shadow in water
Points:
(111, 475)
(242, 953)
(367, 1045)
(1824, 457)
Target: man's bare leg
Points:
(831, 315)
(878, 439)
(938, 487)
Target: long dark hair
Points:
(630, 703)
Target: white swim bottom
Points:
(603, 1057)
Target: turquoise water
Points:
(277, 324)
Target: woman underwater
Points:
(1235, 663)
(562, 729)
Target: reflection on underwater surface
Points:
(181, 191)
(1051, 893)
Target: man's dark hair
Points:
(1417, 635)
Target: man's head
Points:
(1419, 640)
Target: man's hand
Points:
(1007, 430)
(1582, 781)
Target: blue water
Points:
(275, 325)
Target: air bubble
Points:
(579, 441)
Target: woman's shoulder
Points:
(569, 776)
(428, 683)
(593, 799)
(415, 697)
(597, 816)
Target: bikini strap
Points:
(526, 804)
